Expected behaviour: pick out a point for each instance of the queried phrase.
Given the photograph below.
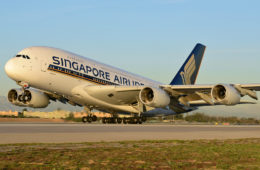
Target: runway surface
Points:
(69, 133)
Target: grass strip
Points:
(165, 154)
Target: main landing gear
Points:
(114, 120)
(89, 118)
(125, 120)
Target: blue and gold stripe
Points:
(79, 75)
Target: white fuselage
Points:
(61, 72)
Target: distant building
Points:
(9, 113)
(58, 114)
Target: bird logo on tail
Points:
(188, 71)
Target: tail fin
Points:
(189, 71)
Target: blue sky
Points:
(147, 37)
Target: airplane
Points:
(46, 73)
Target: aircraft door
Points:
(44, 66)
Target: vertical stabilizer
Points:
(189, 71)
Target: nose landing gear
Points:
(25, 97)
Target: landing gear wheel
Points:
(139, 120)
(94, 118)
(119, 120)
(125, 120)
(112, 120)
(109, 120)
(89, 119)
(143, 118)
(84, 119)
(104, 120)
(135, 120)
(20, 98)
(130, 120)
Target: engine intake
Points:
(225, 94)
(154, 97)
(28, 98)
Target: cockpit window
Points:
(24, 56)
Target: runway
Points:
(70, 133)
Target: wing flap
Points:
(188, 93)
(187, 89)
(255, 87)
(201, 103)
(179, 89)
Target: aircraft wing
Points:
(187, 89)
(182, 97)
(188, 93)
(122, 95)
(130, 94)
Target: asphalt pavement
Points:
(70, 133)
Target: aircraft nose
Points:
(10, 68)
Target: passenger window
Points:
(24, 56)
(18, 55)
(27, 57)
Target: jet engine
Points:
(154, 97)
(225, 94)
(28, 98)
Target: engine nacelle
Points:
(225, 94)
(154, 97)
(28, 98)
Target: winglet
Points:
(188, 73)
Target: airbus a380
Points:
(46, 73)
